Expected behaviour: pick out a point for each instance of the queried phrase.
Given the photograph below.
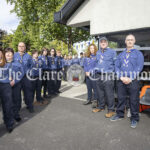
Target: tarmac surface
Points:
(66, 124)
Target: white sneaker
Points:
(128, 113)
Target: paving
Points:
(66, 124)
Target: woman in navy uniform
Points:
(89, 65)
(17, 74)
(53, 66)
(11, 74)
(44, 58)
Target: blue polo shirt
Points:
(129, 63)
(105, 61)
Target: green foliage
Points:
(37, 27)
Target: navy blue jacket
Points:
(106, 60)
(129, 64)
(90, 63)
(25, 60)
(45, 62)
(53, 63)
(60, 62)
(11, 71)
(36, 67)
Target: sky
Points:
(8, 21)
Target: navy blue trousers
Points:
(52, 83)
(37, 86)
(132, 90)
(105, 93)
(91, 88)
(7, 104)
(16, 94)
(28, 91)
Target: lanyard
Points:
(126, 59)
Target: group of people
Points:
(42, 74)
(104, 69)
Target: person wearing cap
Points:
(104, 73)
(128, 65)
(25, 60)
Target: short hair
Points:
(34, 51)
(130, 34)
(81, 53)
(9, 50)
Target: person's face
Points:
(21, 47)
(58, 53)
(1, 54)
(35, 55)
(52, 52)
(9, 56)
(81, 56)
(92, 50)
(76, 56)
(130, 41)
(45, 52)
(103, 44)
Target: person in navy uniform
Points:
(128, 65)
(6, 94)
(89, 65)
(36, 74)
(60, 69)
(105, 84)
(75, 60)
(17, 74)
(81, 60)
(70, 61)
(44, 58)
(25, 59)
(53, 66)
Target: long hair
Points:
(88, 54)
(54, 51)
(3, 60)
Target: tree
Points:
(38, 22)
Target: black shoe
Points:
(18, 119)
(10, 129)
(87, 102)
(31, 110)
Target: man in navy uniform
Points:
(128, 65)
(25, 59)
(105, 85)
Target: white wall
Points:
(106, 16)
